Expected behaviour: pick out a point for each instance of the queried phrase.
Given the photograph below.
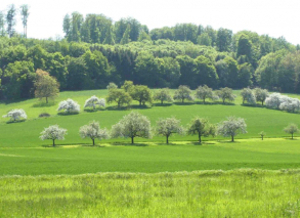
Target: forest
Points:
(96, 50)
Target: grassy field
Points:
(239, 193)
(25, 134)
(151, 157)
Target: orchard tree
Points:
(131, 126)
(248, 95)
(200, 127)
(291, 129)
(111, 85)
(119, 96)
(226, 93)
(93, 131)
(261, 95)
(127, 86)
(53, 133)
(94, 101)
(262, 135)
(168, 126)
(16, 114)
(141, 93)
(204, 92)
(69, 106)
(163, 95)
(183, 93)
(45, 85)
(231, 127)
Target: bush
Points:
(44, 115)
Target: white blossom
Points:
(248, 95)
(93, 131)
(283, 102)
(54, 133)
(16, 114)
(69, 106)
(131, 126)
(231, 127)
(167, 127)
(94, 101)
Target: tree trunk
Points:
(118, 104)
(162, 102)
(167, 139)
(223, 101)
(53, 142)
(243, 101)
(182, 100)
(204, 100)
(199, 137)
(262, 137)
(140, 102)
(93, 142)
(94, 106)
(292, 135)
(232, 138)
(132, 141)
(46, 100)
(262, 103)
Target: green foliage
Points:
(291, 129)
(226, 94)
(169, 126)
(201, 127)
(119, 96)
(142, 94)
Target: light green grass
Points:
(151, 157)
(239, 193)
(26, 134)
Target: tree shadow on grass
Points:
(202, 143)
(15, 121)
(162, 105)
(253, 105)
(67, 113)
(184, 103)
(91, 110)
(115, 108)
(141, 107)
(228, 141)
(129, 144)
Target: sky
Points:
(273, 17)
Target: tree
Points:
(224, 39)
(94, 101)
(109, 37)
(231, 127)
(93, 131)
(25, 15)
(226, 93)
(200, 127)
(244, 47)
(67, 25)
(141, 93)
(127, 85)
(182, 93)
(11, 20)
(204, 39)
(126, 37)
(131, 126)
(291, 129)
(53, 133)
(262, 134)
(204, 92)
(261, 95)
(16, 114)
(69, 106)
(163, 95)
(248, 96)
(45, 85)
(2, 24)
(168, 126)
(111, 86)
(119, 96)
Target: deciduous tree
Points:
(231, 127)
(93, 131)
(291, 129)
(53, 133)
(169, 126)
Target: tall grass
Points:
(238, 193)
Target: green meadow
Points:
(238, 193)
(247, 178)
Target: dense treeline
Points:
(97, 51)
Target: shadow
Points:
(15, 121)
(207, 103)
(90, 145)
(91, 110)
(294, 139)
(43, 104)
(162, 105)
(141, 107)
(253, 105)
(44, 115)
(227, 103)
(67, 113)
(128, 144)
(184, 103)
(164, 143)
(115, 108)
